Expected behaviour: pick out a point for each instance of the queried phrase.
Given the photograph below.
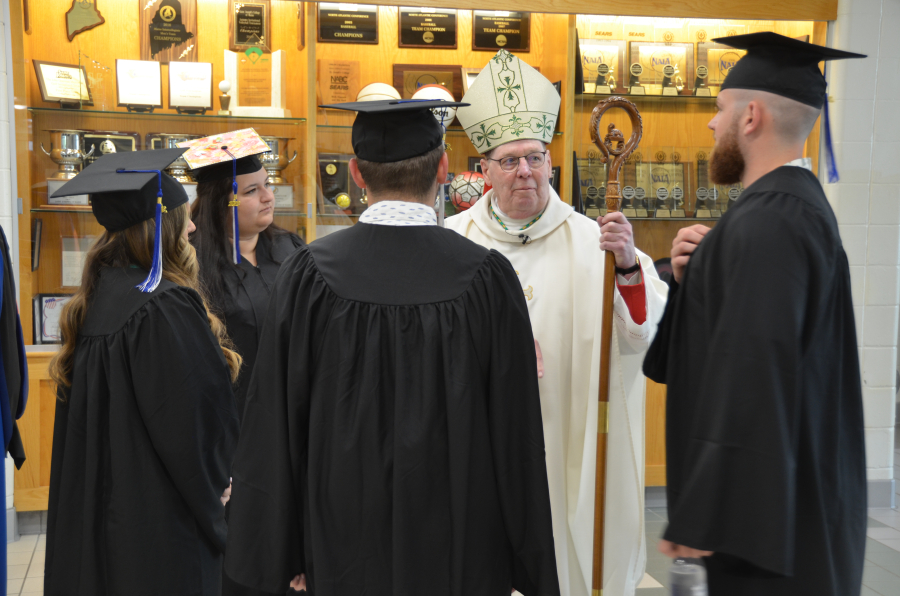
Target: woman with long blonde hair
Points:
(146, 423)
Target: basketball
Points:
(466, 189)
(443, 115)
(377, 91)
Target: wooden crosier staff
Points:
(615, 150)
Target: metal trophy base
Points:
(716, 213)
(637, 90)
(670, 91)
(678, 213)
(55, 185)
(662, 213)
(191, 189)
(703, 92)
(284, 195)
(703, 214)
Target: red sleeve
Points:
(635, 299)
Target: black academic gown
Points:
(248, 297)
(392, 443)
(142, 448)
(764, 420)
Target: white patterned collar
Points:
(801, 162)
(399, 213)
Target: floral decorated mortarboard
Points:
(226, 155)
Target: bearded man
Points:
(559, 256)
(764, 423)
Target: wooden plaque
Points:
(496, 29)
(348, 23)
(82, 17)
(250, 24)
(409, 77)
(168, 30)
(254, 79)
(338, 80)
(427, 27)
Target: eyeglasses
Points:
(511, 163)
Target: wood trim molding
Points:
(767, 10)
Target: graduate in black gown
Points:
(146, 424)
(392, 442)
(239, 292)
(764, 422)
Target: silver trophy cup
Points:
(276, 160)
(66, 151)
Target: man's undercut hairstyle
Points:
(413, 178)
(794, 120)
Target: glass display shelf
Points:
(649, 98)
(450, 131)
(161, 115)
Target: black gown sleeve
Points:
(739, 481)
(517, 434)
(265, 545)
(657, 357)
(183, 392)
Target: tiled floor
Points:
(880, 578)
(25, 565)
(881, 575)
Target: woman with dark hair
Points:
(146, 424)
(239, 292)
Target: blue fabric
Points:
(5, 414)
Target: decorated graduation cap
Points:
(510, 101)
(787, 67)
(226, 155)
(127, 189)
(392, 130)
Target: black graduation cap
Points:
(392, 130)
(128, 188)
(121, 199)
(781, 65)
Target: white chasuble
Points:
(561, 271)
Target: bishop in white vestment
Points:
(558, 257)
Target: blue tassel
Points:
(155, 276)
(830, 163)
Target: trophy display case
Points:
(129, 80)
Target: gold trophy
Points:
(225, 99)
(66, 151)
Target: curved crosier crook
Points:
(613, 147)
(615, 150)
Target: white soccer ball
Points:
(376, 92)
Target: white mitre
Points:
(510, 101)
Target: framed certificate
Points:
(47, 310)
(138, 83)
(190, 86)
(74, 251)
(65, 83)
